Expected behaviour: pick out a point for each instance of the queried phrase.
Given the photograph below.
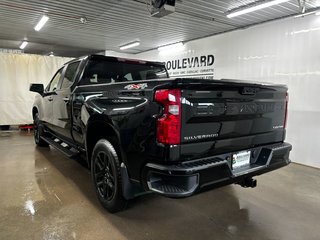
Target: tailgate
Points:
(230, 111)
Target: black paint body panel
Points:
(227, 115)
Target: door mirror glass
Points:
(36, 87)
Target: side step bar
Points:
(61, 146)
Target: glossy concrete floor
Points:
(45, 195)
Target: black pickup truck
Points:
(144, 132)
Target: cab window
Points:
(70, 75)
(53, 85)
(105, 71)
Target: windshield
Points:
(104, 71)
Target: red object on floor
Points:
(26, 127)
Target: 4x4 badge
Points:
(136, 86)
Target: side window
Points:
(54, 82)
(70, 74)
(99, 72)
(128, 77)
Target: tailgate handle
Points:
(249, 91)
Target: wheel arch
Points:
(99, 127)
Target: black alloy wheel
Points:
(106, 176)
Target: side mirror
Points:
(36, 87)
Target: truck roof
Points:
(115, 59)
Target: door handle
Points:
(66, 99)
(50, 99)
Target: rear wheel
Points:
(38, 132)
(106, 176)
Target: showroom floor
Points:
(45, 195)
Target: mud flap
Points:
(130, 189)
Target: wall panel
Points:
(285, 51)
(17, 71)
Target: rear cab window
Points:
(102, 71)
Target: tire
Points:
(106, 176)
(4, 127)
(38, 132)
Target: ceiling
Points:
(113, 23)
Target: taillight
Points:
(286, 114)
(169, 125)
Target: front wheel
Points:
(106, 176)
(38, 132)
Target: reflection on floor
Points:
(45, 195)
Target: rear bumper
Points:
(186, 178)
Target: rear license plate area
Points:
(241, 159)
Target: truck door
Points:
(50, 91)
(62, 102)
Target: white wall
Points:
(17, 71)
(285, 51)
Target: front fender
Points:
(38, 105)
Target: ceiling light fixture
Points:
(255, 8)
(23, 44)
(83, 20)
(175, 46)
(130, 45)
(41, 23)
